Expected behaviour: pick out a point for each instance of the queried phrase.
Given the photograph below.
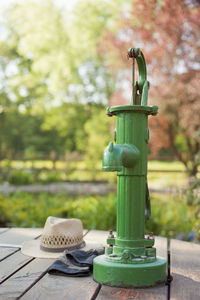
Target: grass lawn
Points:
(39, 164)
(161, 180)
(165, 165)
(41, 171)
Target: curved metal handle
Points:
(142, 84)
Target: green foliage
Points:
(68, 120)
(22, 135)
(67, 128)
(89, 169)
(43, 83)
(20, 177)
(48, 176)
(51, 64)
(45, 70)
(26, 210)
(170, 214)
(95, 212)
(44, 176)
(192, 196)
(97, 128)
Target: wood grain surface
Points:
(23, 277)
(111, 293)
(19, 235)
(161, 246)
(5, 252)
(20, 281)
(185, 267)
(97, 236)
(16, 260)
(60, 288)
(3, 230)
(11, 264)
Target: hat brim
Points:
(32, 248)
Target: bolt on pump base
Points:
(130, 259)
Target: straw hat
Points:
(58, 235)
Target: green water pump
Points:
(130, 259)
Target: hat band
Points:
(60, 241)
(78, 246)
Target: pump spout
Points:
(116, 157)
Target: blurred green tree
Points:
(49, 59)
(23, 137)
(99, 135)
(68, 120)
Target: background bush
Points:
(19, 176)
(170, 215)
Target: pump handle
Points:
(142, 84)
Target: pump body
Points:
(130, 258)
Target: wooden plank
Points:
(99, 236)
(185, 258)
(185, 267)
(18, 283)
(19, 235)
(26, 276)
(11, 264)
(4, 252)
(3, 230)
(60, 288)
(17, 260)
(112, 293)
(161, 246)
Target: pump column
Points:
(131, 188)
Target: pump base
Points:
(129, 275)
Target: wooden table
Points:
(23, 277)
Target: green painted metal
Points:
(118, 156)
(141, 85)
(129, 275)
(130, 258)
